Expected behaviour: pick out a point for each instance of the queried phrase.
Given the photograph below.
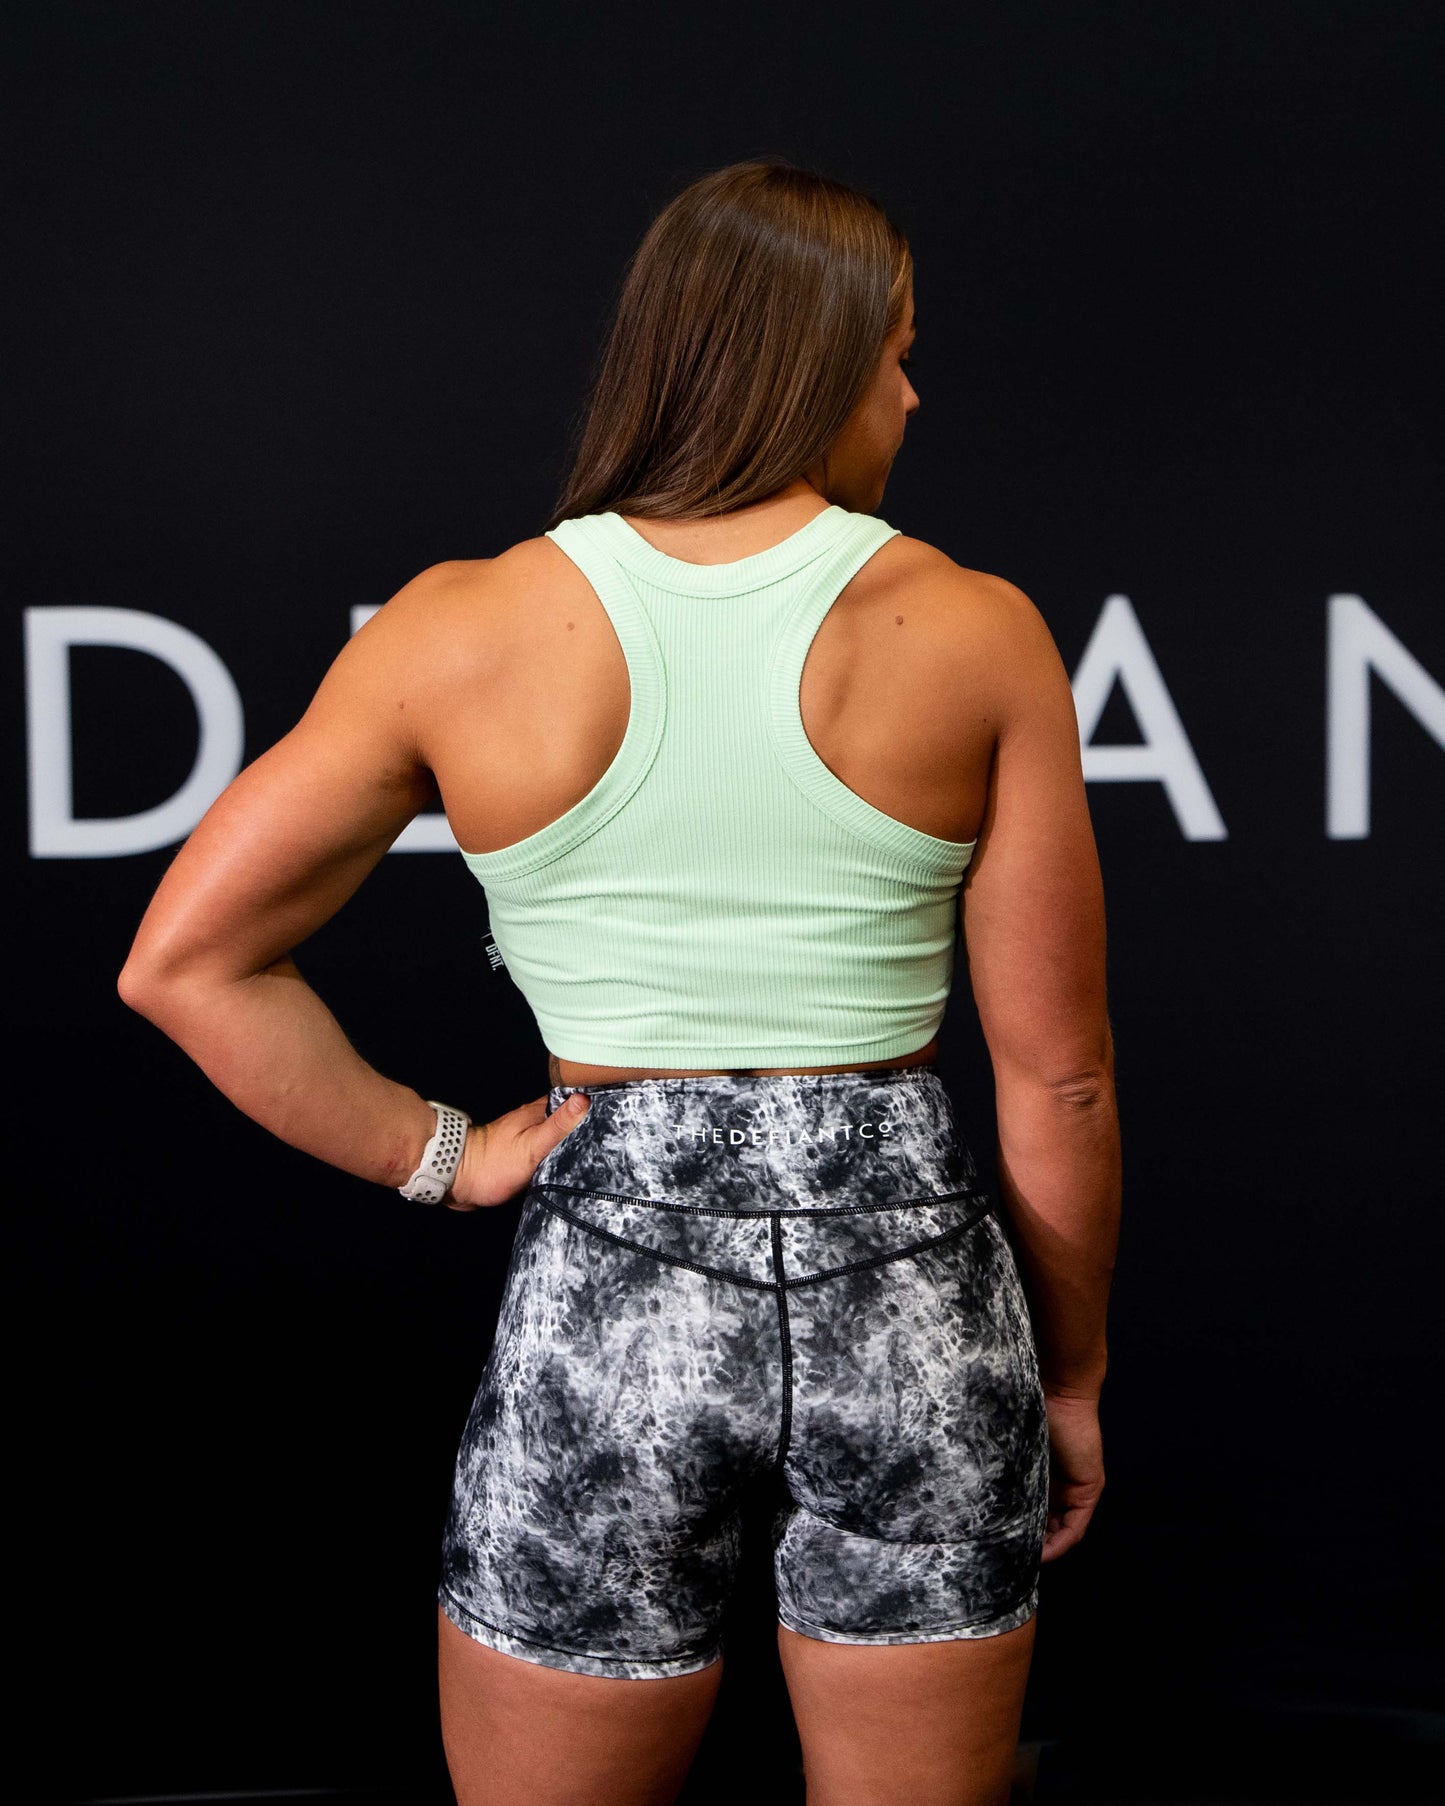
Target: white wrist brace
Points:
(440, 1158)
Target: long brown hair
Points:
(749, 323)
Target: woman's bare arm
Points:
(1033, 919)
(275, 857)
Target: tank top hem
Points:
(892, 1046)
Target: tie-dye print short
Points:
(724, 1282)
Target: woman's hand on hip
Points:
(1076, 1469)
(501, 1156)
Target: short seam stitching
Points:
(957, 1623)
(785, 1339)
(767, 1285)
(976, 1538)
(673, 1260)
(560, 1649)
(878, 1260)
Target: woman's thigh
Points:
(521, 1734)
(915, 1724)
(907, 1551)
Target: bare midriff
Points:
(574, 1072)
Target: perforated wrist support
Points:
(440, 1158)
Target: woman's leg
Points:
(912, 1724)
(520, 1734)
(631, 1397)
(907, 1550)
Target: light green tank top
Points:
(720, 898)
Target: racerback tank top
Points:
(720, 898)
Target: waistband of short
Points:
(728, 1083)
(793, 1105)
(775, 1141)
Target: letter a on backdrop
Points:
(1118, 652)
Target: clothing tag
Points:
(492, 950)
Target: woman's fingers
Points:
(1076, 1472)
(562, 1121)
(501, 1156)
(1064, 1529)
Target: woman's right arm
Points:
(277, 854)
(1033, 921)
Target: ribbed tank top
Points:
(720, 898)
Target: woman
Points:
(732, 757)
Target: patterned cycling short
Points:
(722, 1282)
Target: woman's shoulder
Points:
(451, 577)
(985, 636)
(984, 610)
(460, 620)
(454, 589)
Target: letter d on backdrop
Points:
(49, 634)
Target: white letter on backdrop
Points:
(1360, 643)
(429, 833)
(1117, 650)
(49, 634)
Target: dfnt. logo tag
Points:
(721, 1136)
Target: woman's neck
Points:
(723, 538)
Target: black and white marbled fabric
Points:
(721, 1282)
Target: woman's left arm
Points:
(277, 854)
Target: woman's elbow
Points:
(1077, 1075)
(156, 981)
(1088, 1089)
(141, 987)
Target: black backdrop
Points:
(303, 298)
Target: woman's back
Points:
(531, 706)
(721, 807)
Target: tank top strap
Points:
(647, 713)
(863, 536)
(579, 540)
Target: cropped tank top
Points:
(720, 898)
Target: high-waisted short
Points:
(718, 1283)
